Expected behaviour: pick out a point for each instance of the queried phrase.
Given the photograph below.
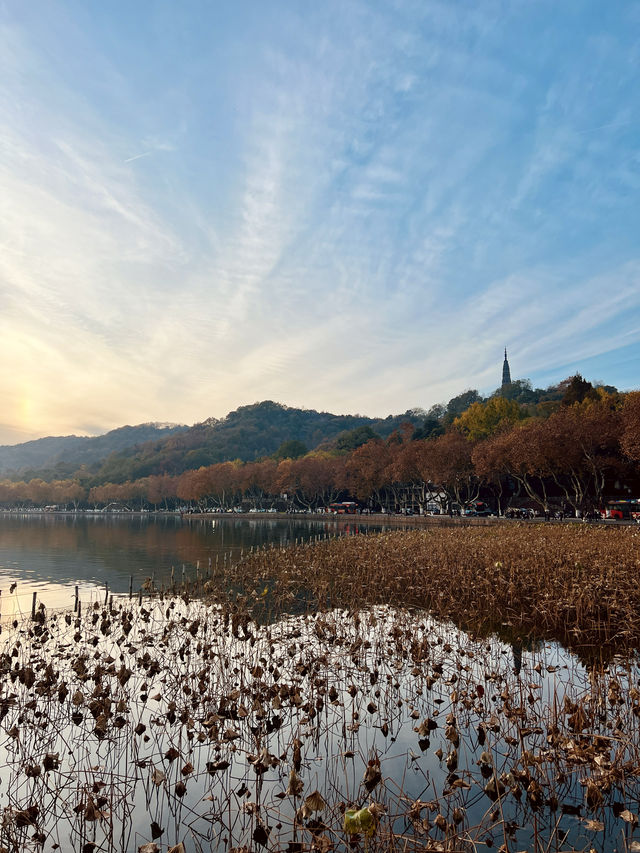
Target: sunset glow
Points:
(347, 206)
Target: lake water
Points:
(126, 724)
(132, 723)
(52, 554)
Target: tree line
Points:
(574, 454)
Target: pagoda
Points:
(506, 372)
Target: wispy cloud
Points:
(351, 209)
(138, 156)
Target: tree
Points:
(484, 419)
(576, 389)
(314, 479)
(192, 485)
(584, 448)
(431, 428)
(491, 464)
(457, 405)
(407, 470)
(161, 488)
(257, 480)
(446, 461)
(519, 390)
(394, 475)
(520, 454)
(223, 482)
(365, 471)
(353, 438)
(630, 421)
(37, 491)
(73, 492)
(568, 455)
(291, 449)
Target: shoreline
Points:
(356, 518)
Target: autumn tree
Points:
(193, 486)
(12, 494)
(317, 478)
(567, 456)
(584, 448)
(481, 420)
(630, 426)
(257, 481)
(411, 466)
(71, 491)
(39, 492)
(492, 465)
(521, 455)
(446, 462)
(224, 482)
(286, 479)
(365, 471)
(398, 476)
(161, 488)
(106, 494)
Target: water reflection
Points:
(161, 722)
(51, 554)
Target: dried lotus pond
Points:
(316, 705)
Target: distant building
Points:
(506, 372)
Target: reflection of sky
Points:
(401, 697)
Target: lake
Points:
(51, 554)
(179, 723)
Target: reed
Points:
(572, 583)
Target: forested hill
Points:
(248, 433)
(62, 456)
(274, 430)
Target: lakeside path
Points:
(402, 520)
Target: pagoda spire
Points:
(506, 372)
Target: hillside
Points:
(248, 433)
(256, 431)
(62, 456)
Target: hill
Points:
(248, 433)
(62, 456)
(252, 432)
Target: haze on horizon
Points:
(347, 206)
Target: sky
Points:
(344, 206)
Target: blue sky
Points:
(347, 206)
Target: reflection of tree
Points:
(516, 648)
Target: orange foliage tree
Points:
(446, 462)
(365, 471)
(257, 481)
(630, 423)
